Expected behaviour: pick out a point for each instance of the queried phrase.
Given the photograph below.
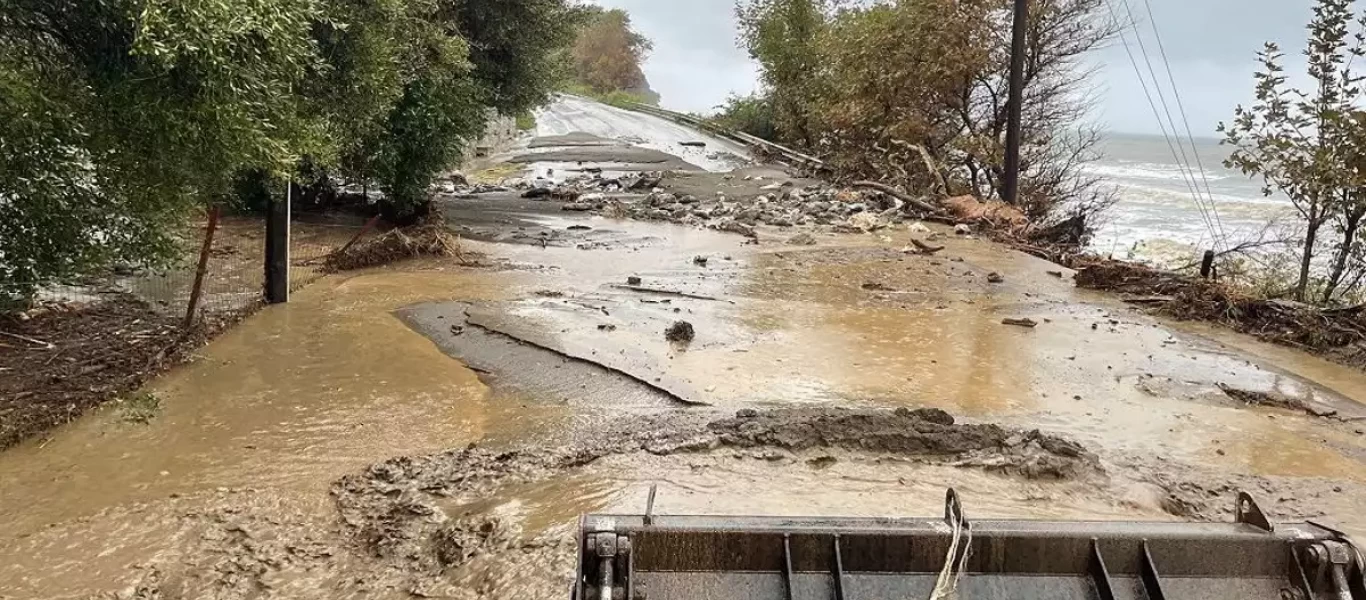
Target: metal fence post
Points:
(203, 267)
(277, 248)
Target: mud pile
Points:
(394, 513)
(422, 526)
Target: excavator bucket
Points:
(647, 557)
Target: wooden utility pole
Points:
(1010, 191)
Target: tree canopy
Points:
(119, 117)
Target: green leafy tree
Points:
(1308, 145)
(608, 53)
(120, 116)
(782, 35)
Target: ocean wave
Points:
(1148, 194)
(1152, 171)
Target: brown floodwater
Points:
(299, 395)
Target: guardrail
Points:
(786, 154)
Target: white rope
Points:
(946, 586)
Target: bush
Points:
(752, 114)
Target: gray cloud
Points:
(1211, 45)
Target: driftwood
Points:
(893, 192)
(1030, 323)
(926, 249)
(662, 292)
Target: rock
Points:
(594, 197)
(772, 187)
(749, 216)
(633, 280)
(815, 208)
(1030, 323)
(607, 327)
(866, 222)
(802, 239)
(918, 227)
(746, 413)
(962, 229)
(734, 227)
(874, 286)
(693, 144)
(1057, 274)
(681, 331)
(994, 277)
(538, 192)
(687, 199)
(578, 207)
(700, 261)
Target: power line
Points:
(1181, 108)
(1186, 177)
(1183, 160)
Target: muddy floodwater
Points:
(274, 468)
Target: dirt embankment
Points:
(1336, 334)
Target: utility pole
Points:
(1010, 191)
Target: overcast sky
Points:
(1211, 45)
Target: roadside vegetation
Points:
(913, 94)
(606, 58)
(120, 119)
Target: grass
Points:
(526, 122)
(617, 98)
(139, 408)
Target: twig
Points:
(45, 345)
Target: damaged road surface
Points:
(435, 428)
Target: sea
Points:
(1157, 218)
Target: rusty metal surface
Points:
(697, 557)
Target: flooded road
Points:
(233, 491)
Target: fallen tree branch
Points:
(926, 249)
(35, 342)
(656, 291)
(893, 192)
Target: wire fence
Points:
(234, 274)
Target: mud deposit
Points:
(439, 526)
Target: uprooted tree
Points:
(914, 93)
(1310, 145)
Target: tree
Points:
(120, 115)
(915, 92)
(782, 35)
(608, 53)
(1308, 144)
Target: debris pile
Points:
(848, 211)
(428, 238)
(1336, 333)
